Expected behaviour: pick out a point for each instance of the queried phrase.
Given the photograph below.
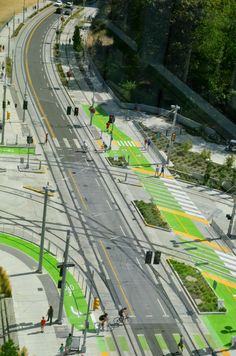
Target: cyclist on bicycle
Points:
(123, 314)
(102, 320)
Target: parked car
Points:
(67, 12)
(58, 10)
(58, 3)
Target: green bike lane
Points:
(187, 228)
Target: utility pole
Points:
(9, 42)
(64, 266)
(86, 322)
(46, 190)
(231, 222)
(4, 109)
(25, 102)
(175, 109)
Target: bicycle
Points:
(120, 320)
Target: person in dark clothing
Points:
(50, 314)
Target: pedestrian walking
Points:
(68, 344)
(145, 142)
(181, 343)
(3, 47)
(42, 324)
(162, 170)
(148, 142)
(62, 349)
(157, 170)
(50, 314)
(69, 40)
(46, 138)
(3, 65)
(103, 319)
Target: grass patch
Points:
(118, 161)
(62, 74)
(17, 30)
(56, 50)
(151, 214)
(9, 67)
(197, 286)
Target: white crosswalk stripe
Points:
(66, 142)
(182, 198)
(229, 261)
(76, 142)
(126, 143)
(55, 140)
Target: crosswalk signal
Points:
(25, 105)
(157, 257)
(229, 217)
(148, 257)
(96, 303)
(68, 110)
(59, 284)
(76, 111)
(61, 272)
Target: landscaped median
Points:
(75, 304)
(201, 294)
(151, 214)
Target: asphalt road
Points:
(129, 279)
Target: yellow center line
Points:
(142, 170)
(49, 128)
(117, 279)
(197, 239)
(219, 279)
(78, 191)
(176, 212)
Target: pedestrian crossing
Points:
(65, 143)
(152, 344)
(229, 261)
(126, 143)
(167, 193)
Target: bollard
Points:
(16, 139)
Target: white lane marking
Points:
(226, 255)
(57, 105)
(133, 144)
(139, 263)
(77, 313)
(97, 182)
(76, 142)
(108, 204)
(55, 140)
(149, 316)
(66, 142)
(62, 116)
(122, 230)
(162, 308)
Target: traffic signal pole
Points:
(63, 282)
(231, 222)
(175, 109)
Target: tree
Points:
(9, 349)
(77, 40)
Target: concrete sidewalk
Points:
(32, 294)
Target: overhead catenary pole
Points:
(4, 109)
(175, 109)
(46, 190)
(231, 222)
(63, 282)
(86, 322)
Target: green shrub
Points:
(151, 214)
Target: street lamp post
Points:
(64, 266)
(86, 322)
(46, 190)
(231, 222)
(25, 103)
(175, 109)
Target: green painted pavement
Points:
(217, 324)
(17, 150)
(110, 343)
(74, 301)
(101, 344)
(143, 342)
(161, 342)
(123, 343)
(199, 341)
